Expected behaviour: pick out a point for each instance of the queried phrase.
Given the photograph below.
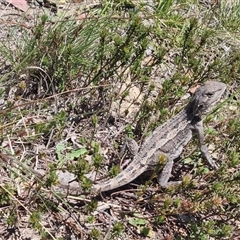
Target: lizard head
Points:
(205, 97)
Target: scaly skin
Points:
(169, 140)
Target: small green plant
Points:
(91, 206)
(114, 171)
(35, 219)
(118, 229)
(95, 234)
(210, 229)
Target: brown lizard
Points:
(166, 140)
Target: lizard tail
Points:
(125, 177)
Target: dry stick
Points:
(19, 24)
(53, 96)
(6, 157)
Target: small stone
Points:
(233, 108)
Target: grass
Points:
(74, 89)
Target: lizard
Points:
(169, 139)
(166, 140)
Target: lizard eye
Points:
(209, 94)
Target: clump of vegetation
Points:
(73, 89)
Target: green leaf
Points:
(60, 146)
(187, 160)
(77, 153)
(146, 232)
(137, 221)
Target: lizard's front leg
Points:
(165, 174)
(204, 150)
